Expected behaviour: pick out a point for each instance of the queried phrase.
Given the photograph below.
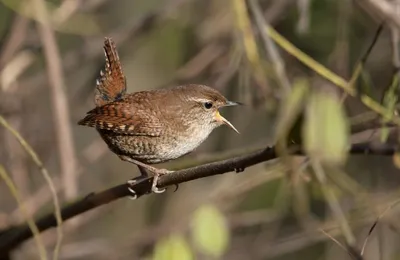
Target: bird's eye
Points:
(208, 105)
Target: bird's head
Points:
(203, 104)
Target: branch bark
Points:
(15, 236)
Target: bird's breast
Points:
(171, 144)
(187, 141)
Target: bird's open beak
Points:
(222, 119)
(232, 103)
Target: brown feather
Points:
(111, 86)
(122, 118)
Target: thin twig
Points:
(244, 26)
(385, 9)
(360, 66)
(340, 245)
(270, 47)
(42, 195)
(46, 175)
(333, 203)
(16, 235)
(376, 223)
(30, 223)
(365, 56)
(329, 75)
(17, 159)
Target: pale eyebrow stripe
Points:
(200, 100)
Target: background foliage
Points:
(275, 210)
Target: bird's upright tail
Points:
(111, 85)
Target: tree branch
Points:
(15, 236)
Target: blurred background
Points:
(51, 55)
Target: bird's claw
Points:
(154, 188)
(133, 195)
(157, 190)
(157, 175)
(155, 181)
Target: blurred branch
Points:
(14, 68)
(248, 40)
(390, 207)
(351, 254)
(385, 9)
(98, 149)
(35, 201)
(333, 203)
(331, 76)
(17, 159)
(200, 61)
(45, 173)
(15, 39)
(270, 47)
(30, 222)
(13, 237)
(59, 101)
(292, 243)
(131, 30)
(304, 9)
(396, 40)
(364, 57)
(277, 10)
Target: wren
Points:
(154, 126)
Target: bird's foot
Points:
(131, 183)
(145, 168)
(157, 173)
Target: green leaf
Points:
(389, 101)
(173, 247)
(290, 111)
(326, 129)
(210, 231)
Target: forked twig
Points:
(376, 223)
(350, 251)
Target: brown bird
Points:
(155, 126)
